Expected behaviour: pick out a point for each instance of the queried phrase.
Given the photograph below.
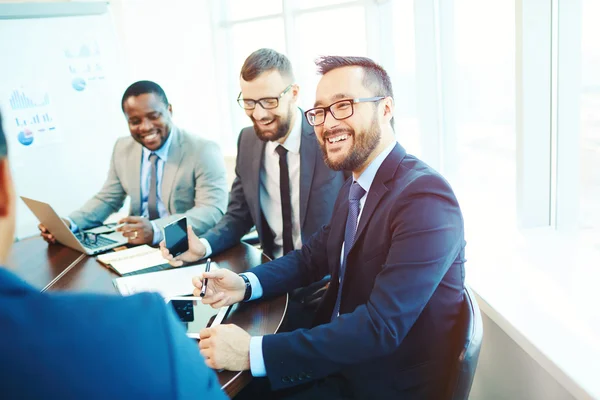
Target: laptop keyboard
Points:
(100, 242)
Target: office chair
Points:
(471, 335)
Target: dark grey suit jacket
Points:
(319, 187)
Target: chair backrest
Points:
(470, 345)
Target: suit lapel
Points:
(378, 189)
(176, 154)
(336, 234)
(308, 159)
(135, 166)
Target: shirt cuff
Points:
(158, 235)
(206, 246)
(257, 361)
(257, 290)
(74, 228)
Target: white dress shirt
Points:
(270, 195)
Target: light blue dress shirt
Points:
(145, 169)
(365, 180)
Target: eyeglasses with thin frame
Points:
(339, 110)
(87, 237)
(267, 103)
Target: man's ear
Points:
(170, 108)
(295, 90)
(5, 191)
(388, 108)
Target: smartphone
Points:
(175, 235)
(196, 316)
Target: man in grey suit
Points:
(167, 172)
(287, 208)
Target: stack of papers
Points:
(174, 282)
(126, 262)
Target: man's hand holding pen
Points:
(224, 346)
(224, 287)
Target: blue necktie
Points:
(356, 193)
(152, 196)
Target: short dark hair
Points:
(143, 87)
(376, 78)
(3, 147)
(263, 60)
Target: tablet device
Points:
(196, 316)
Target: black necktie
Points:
(356, 193)
(286, 203)
(152, 203)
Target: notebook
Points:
(137, 260)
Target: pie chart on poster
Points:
(78, 84)
(25, 137)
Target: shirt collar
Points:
(292, 142)
(163, 152)
(365, 180)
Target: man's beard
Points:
(362, 148)
(283, 126)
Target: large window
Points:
(484, 109)
(340, 31)
(402, 69)
(589, 166)
(244, 9)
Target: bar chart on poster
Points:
(60, 90)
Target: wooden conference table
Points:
(59, 268)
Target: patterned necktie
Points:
(152, 203)
(356, 193)
(286, 203)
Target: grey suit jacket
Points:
(319, 187)
(193, 184)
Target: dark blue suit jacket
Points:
(402, 290)
(65, 346)
(319, 187)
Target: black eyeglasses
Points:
(87, 237)
(339, 110)
(268, 103)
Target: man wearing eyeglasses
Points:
(282, 186)
(167, 173)
(386, 327)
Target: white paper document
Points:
(169, 283)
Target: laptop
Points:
(87, 242)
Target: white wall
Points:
(171, 43)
